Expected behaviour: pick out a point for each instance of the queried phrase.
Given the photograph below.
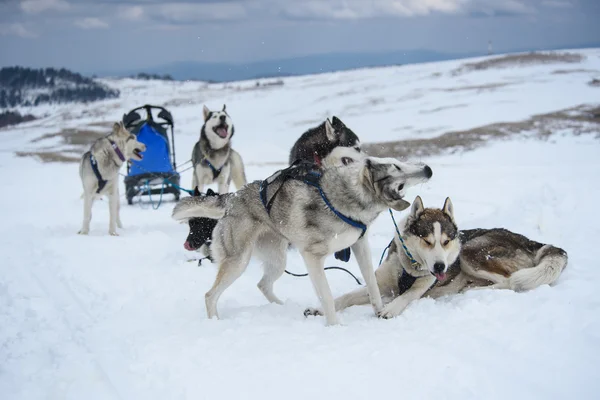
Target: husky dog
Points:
(318, 217)
(213, 158)
(325, 144)
(99, 172)
(448, 261)
(333, 140)
(201, 229)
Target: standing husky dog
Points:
(440, 260)
(213, 158)
(333, 139)
(99, 172)
(318, 211)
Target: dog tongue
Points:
(222, 132)
(440, 276)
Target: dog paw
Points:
(113, 233)
(390, 312)
(82, 232)
(312, 312)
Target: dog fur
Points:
(109, 165)
(452, 261)
(360, 190)
(214, 147)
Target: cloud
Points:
(185, 13)
(91, 23)
(38, 6)
(557, 4)
(16, 29)
(361, 9)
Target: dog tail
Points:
(550, 261)
(237, 170)
(200, 206)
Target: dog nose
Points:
(438, 267)
(187, 246)
(222, 118)
(428, 172)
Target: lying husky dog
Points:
(213, 158)
(440, 260)
(99, 172)
(329, 144)
(318, 211)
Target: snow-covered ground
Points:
(101, 317)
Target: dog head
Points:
(218, 126)
(127, 142)
(389, 179)
(432, 234)
(201, 229)
(343, 145)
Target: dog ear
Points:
(399, 205)
(205, 112)
(196, 191)
(329, 131)
(223, 107)
(337, 123)
(210, 192)
(417, 207)
(448, 209)
(116, 127)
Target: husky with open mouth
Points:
(435, 259)
(99, 172)
(213, 158)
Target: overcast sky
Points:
(88, 35)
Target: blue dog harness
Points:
(306, 172)
(216, 171)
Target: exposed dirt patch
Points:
(580, 120)
(519, 60)
(573, 71)
(594, 82)
(65, 146)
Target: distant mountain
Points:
(312, 64)
(225, 72)
(30, 87)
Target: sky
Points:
(89, 36)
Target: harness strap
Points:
(117, 150)
(94, 164)
(304, 171)
(405, 282)
(216, 171)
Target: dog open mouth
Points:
(138, 153)
(221, 130)
(440, 276)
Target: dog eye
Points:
(427, 242)
(357, 149)
(398, 168)
(445, 242)
(401, 187)
(347, 160)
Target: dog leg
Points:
(362, 252)
(453, 287)
(229, 271)
(316, 270)
(113, 208)
(416, 291)
(223, 187)
(357, 297)
(273, 269)
(119, 223)
(88, 202)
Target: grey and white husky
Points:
(266, 216)
(440, 260)
(99, 172)
(328, 144)
(213, 158)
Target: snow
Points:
(101, 317)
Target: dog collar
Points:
(117, 150)
(414, 263)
